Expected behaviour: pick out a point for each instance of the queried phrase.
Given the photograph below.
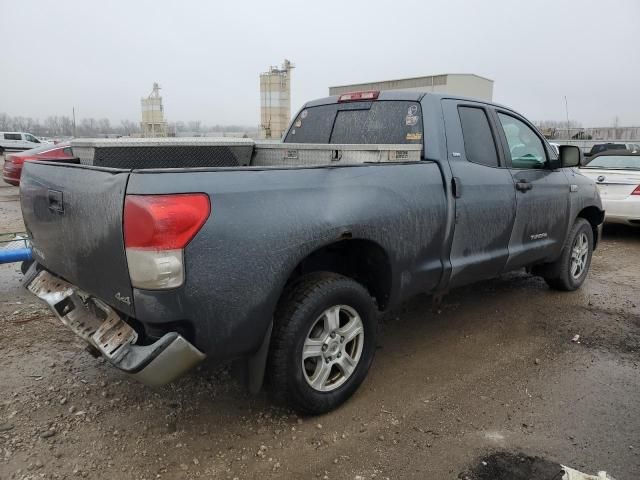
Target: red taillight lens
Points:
(636, 191)
(358, 96)
(163, 222)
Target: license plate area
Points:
(88, 317)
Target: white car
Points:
(18, 141)
(618, 179)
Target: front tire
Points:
(323, 343)
(569, 272)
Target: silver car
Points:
(618, 179)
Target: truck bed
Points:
(142, 153)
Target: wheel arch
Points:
(595, 217)
(362, 260)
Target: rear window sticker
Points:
(298, 123)
(414, 136)
(413, 109)
(304, 114)
(411, 120)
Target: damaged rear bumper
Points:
(101, 327)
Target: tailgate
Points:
(73, 214)
(615, 185)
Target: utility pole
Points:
(73, 109)
(566, 109)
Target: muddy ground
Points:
(494, 369)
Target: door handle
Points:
(523, 185)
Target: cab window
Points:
(525, 147)
(31, 138)
(478, 140)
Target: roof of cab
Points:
(405, 95)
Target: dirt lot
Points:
(494, 369)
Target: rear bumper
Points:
(625, 211)
(103, 328)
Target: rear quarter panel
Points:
(264, 222)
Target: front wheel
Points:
(323, 342)
(570, 270)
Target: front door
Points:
(542, 194)
(485, 203)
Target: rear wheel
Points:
(323, 342)
(570, 270)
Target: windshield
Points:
(386, 122)
(615, 162)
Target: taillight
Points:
(636, 191)
(156, 230)
(357, 96)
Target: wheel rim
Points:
(579, 254)
(332, 348)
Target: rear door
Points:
(485, 204)
(542, 193)
(73, 214)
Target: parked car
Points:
(604, 147)
(618, 179)
(14, 162)
(285, 266)
(12, 141)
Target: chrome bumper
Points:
(101, 326)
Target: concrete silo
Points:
(153, 123)
(275, 100)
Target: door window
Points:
(31, 138)
(479, 145)
(525, 147)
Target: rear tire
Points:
(569, 272)
(323, 342)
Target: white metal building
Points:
(465, 84)
(275, 100)
(153, 123)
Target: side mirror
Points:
(570, 156)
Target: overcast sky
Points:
(102, 56)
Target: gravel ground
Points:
(490, 374)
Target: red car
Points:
(49, 152)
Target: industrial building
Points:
(275, 100)
(465, 84)
(153, 123)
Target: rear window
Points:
(42, 148)
(607, 146)
(616, 162)
(359, 122)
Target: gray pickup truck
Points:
(285, 267)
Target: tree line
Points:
(63, 126)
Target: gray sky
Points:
(101, 57)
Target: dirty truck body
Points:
(285, 267)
